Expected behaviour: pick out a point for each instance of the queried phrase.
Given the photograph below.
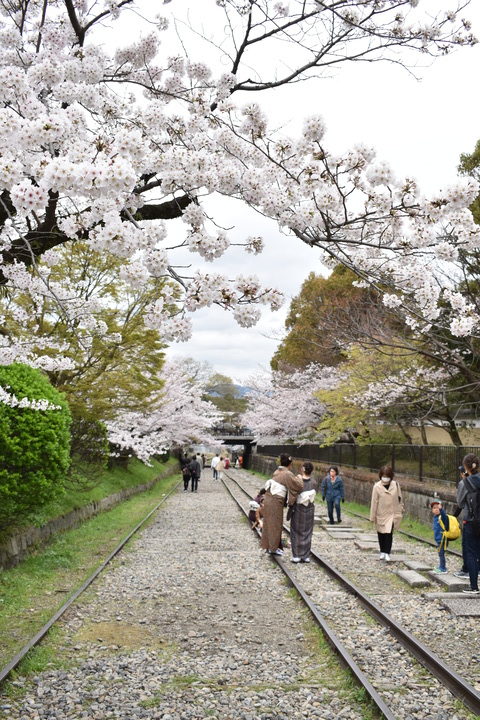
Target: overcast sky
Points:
(419, 126)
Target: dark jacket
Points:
(472, 482)
(195, 469)
(437, 528)
(332, 491)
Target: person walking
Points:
(333, 492)
(213, 465)
(302, 516)
(283, 487)
(186, 477)
(195, 472)
(220, 468)
(467, 498)
(386, 509)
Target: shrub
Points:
(34, 445)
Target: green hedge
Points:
(34, 445)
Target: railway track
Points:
(368, 639)
(42, 632)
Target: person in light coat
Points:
(220, 467)
(386, 509)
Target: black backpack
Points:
(472, 501)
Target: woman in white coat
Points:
(386, 509)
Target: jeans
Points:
(441, 557)
(330, 505)
(215, 474)
(472, 553)
(194, 483)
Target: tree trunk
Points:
(423, 432)
(453, 431)
(407, 435)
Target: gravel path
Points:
(193, 621)
(402, 683)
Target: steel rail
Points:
(5, 671)
(331, 637)
(459, 687)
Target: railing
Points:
(425, 462)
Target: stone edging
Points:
(23, 542)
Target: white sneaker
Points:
(387, 557)
(277, 552)
(382, 556)
(295, 559)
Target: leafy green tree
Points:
(320, 320)
(34, 444)
(222, 392)
(109, 364)
(470, 165)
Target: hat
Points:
(435, 501)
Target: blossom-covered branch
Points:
(177, 416)
(103, 143)
(284, 406)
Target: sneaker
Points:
(439, 570)
(461, 574)
(276, 552)
(471, 592)
(387, 557)
(295, 560)
(339, 521)
(307, 560)
(381, 556)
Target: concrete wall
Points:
(358, 486)
(22, 543)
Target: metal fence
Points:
(425, 462)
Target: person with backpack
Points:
(445, 528)
(468, 499)
(186, 476)
(195, 472)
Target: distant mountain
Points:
(243, 390)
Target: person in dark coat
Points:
(470, 484)
(186, 477)
(195, 472)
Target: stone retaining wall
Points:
(358, 486)
(19, 545)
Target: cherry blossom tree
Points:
(411, 395)
(104, 142)
(284, 405)
(177, 416)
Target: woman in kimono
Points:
(282, 488)
(386, 509)
(302, 516)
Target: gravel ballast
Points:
(192, 621)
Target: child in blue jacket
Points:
(439, 514)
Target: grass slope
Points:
(31, 592)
